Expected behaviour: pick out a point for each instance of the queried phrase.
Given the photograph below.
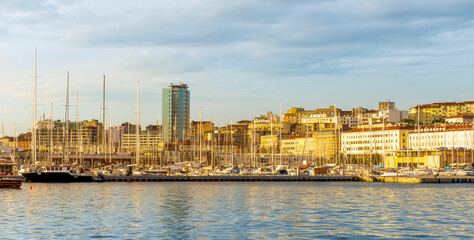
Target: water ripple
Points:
(264, 210)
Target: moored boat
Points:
(10, 183)
(60, 174)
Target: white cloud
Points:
(245, 54)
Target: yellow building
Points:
(431, 161)
(296, 115)
(438, 158)
(298, 145)
(326, 144)
(149, 142)
(429, 112)
(267, 142)
(265, 126)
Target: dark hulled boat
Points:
(60, 174)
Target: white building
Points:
(463, 118)
(374, 140)
(450, 137)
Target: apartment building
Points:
(458, 136)
(298, 145)
(427, 113)
(379, 140)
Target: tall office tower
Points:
(175, 109)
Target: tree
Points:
(408, 121)
(438, 120)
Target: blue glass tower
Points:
(175, 115)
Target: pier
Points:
(422, 179)
(10, 183)
(231, 178)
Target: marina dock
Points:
(423, 179)
(230, 178)
(10, 183)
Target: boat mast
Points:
(66, 159)
(200, 139)
(271, 139)
(137, 131)
(212, 144)
(14, 142)
(226, 139)
(280, 133)
(231, 145)
(418, 142)
(51, 132)
(33, 133)
(335, 135)
(472, 142)
(77, 132)
(384, 134)
(104, 120)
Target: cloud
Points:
(244, 51)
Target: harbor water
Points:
(237, 210)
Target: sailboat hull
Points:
(58, 177)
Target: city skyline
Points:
(239, 59)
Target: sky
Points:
(239, 58)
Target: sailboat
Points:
(58, 174)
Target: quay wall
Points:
(229, 178)
(424, 179)
(10, 183)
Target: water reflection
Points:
(245, 210)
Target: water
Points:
(237, 210)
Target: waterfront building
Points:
(7, 141)
(298, 145)
(458, 136)
(291, 115)
(302, 116)
(462, 118)
(149, 142)
(269, 142)
(266, 124)
(396, 115)
(199, 129)
(375, 139)
(385, 106)
(231, 136)
(414, 160)
(326, 144)
(441, 110)
(84, 136)
(326, 118)
(114, 135)
(176, 113)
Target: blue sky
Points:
(238, 57)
